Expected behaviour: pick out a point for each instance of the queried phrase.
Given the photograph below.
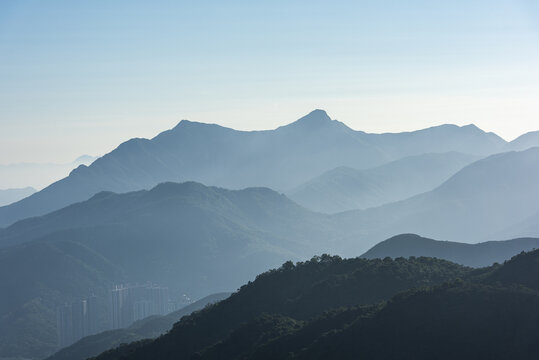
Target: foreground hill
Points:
(475, 255)
(476, 204)
(280, 159)
(454, 322)
(345, 188)
(492, 314)
(148, 328)
(300, 291)
(191, 238)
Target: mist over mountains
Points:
(191, 238)
(480, 202)
(8, 196)
(525, 141)
(205, 239)
(345, 188)
(203, 209)
(281, 159)
(38, 175)
(474, 255)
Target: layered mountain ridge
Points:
(345, 188)
(480, 202)
(214, 155)
(132, 217)
(474, 255)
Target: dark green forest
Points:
(331, 308)
(293, 296)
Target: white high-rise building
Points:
(120, 308)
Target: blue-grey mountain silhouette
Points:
(345, 188)
(475, 255)
(38, 175)
(210, 239)
(191, 238)
(9, 196)
(525, 141)
(280, 159)
(476, 204)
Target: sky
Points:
(80, 77)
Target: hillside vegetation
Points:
(488, 313)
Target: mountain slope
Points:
(525, 141)
(200, 223)
(488, 315)
(37, 277)
(9, 196)
(300, 291)
(475, 255)
(191, 238)
(524, 228)
(200, 239)
(148, 328)
(456, 322)
(38, 175)
(345, 188)
(280, 159)
(475, 204)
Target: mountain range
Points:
(200, 239)
(130, 217)
(525, 141)
(483, 201)
(501, 189)
(345, 188)
(281, 159)
(191, 238)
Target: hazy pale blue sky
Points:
(81, 76)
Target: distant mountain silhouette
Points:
(148, 328)
(9, 196)
(527, 227)
(170, 209)
(525, 141)
(475, 255)
(280, 159)
(476, 204)
(38, 175)
(345, 188)
(206, 239)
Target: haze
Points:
(81, 77)
(269, 180)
